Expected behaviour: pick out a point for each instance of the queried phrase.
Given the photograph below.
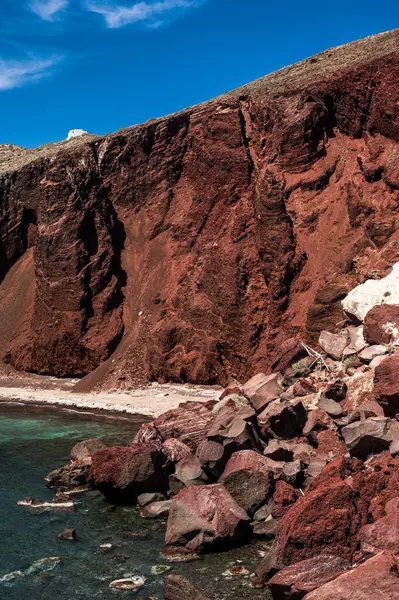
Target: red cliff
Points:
(191, 247)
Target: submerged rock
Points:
(129, 583)
(177, 587)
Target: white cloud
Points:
(48, 9)
(152, 13)
(16, 73)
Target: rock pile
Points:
(307, 457)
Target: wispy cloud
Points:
(16, 73)
(151, 13)
(48, 9)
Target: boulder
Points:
(213, 456)
(324, 521)
(188, 471)
(189, 426)
(293, 582)
(360, 390)
(377, 578)
(239, 404)
(204, 516)
(333, 344)
(175, 450)
(367, 437)
(177, 587)
(156, 510)
(383, 534)
(145, 499)
(372, 293)
(381, 325)
(122, 473)
(331, 407)
(318, 420)
(336, 390)
(69, 477)
(386, 384)
(68, 534)
(329, 445)
(262, 389)
(82, 452)
(303, 387)
(356, 339)
(147, 433)
(284, 496)
(371, 353)
(248, 479)
(287, 450)
(285, 419)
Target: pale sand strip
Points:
(150, 401)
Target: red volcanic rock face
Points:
(324, 521)
(192, 247)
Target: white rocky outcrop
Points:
(76, 133)
(373, 292)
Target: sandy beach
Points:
(150, 401)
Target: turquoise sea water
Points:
(33, 442)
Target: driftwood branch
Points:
(316, 355)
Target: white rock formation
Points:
(373, 292)
(76, 133)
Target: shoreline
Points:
(148, 402)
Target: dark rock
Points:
(336, 391)
(69, 476)
(287, 450)
(177, 587)
(285, 419)
(82, 452)
(371, 436)
(68, 534)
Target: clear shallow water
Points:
(33, 442)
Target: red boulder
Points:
(122, 473)
(203, 516)
(377, 578)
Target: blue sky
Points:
(101, 65)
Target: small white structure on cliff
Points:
(76, 133)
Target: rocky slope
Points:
(305, 459)
(191, 248)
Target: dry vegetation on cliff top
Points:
(285, 81)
